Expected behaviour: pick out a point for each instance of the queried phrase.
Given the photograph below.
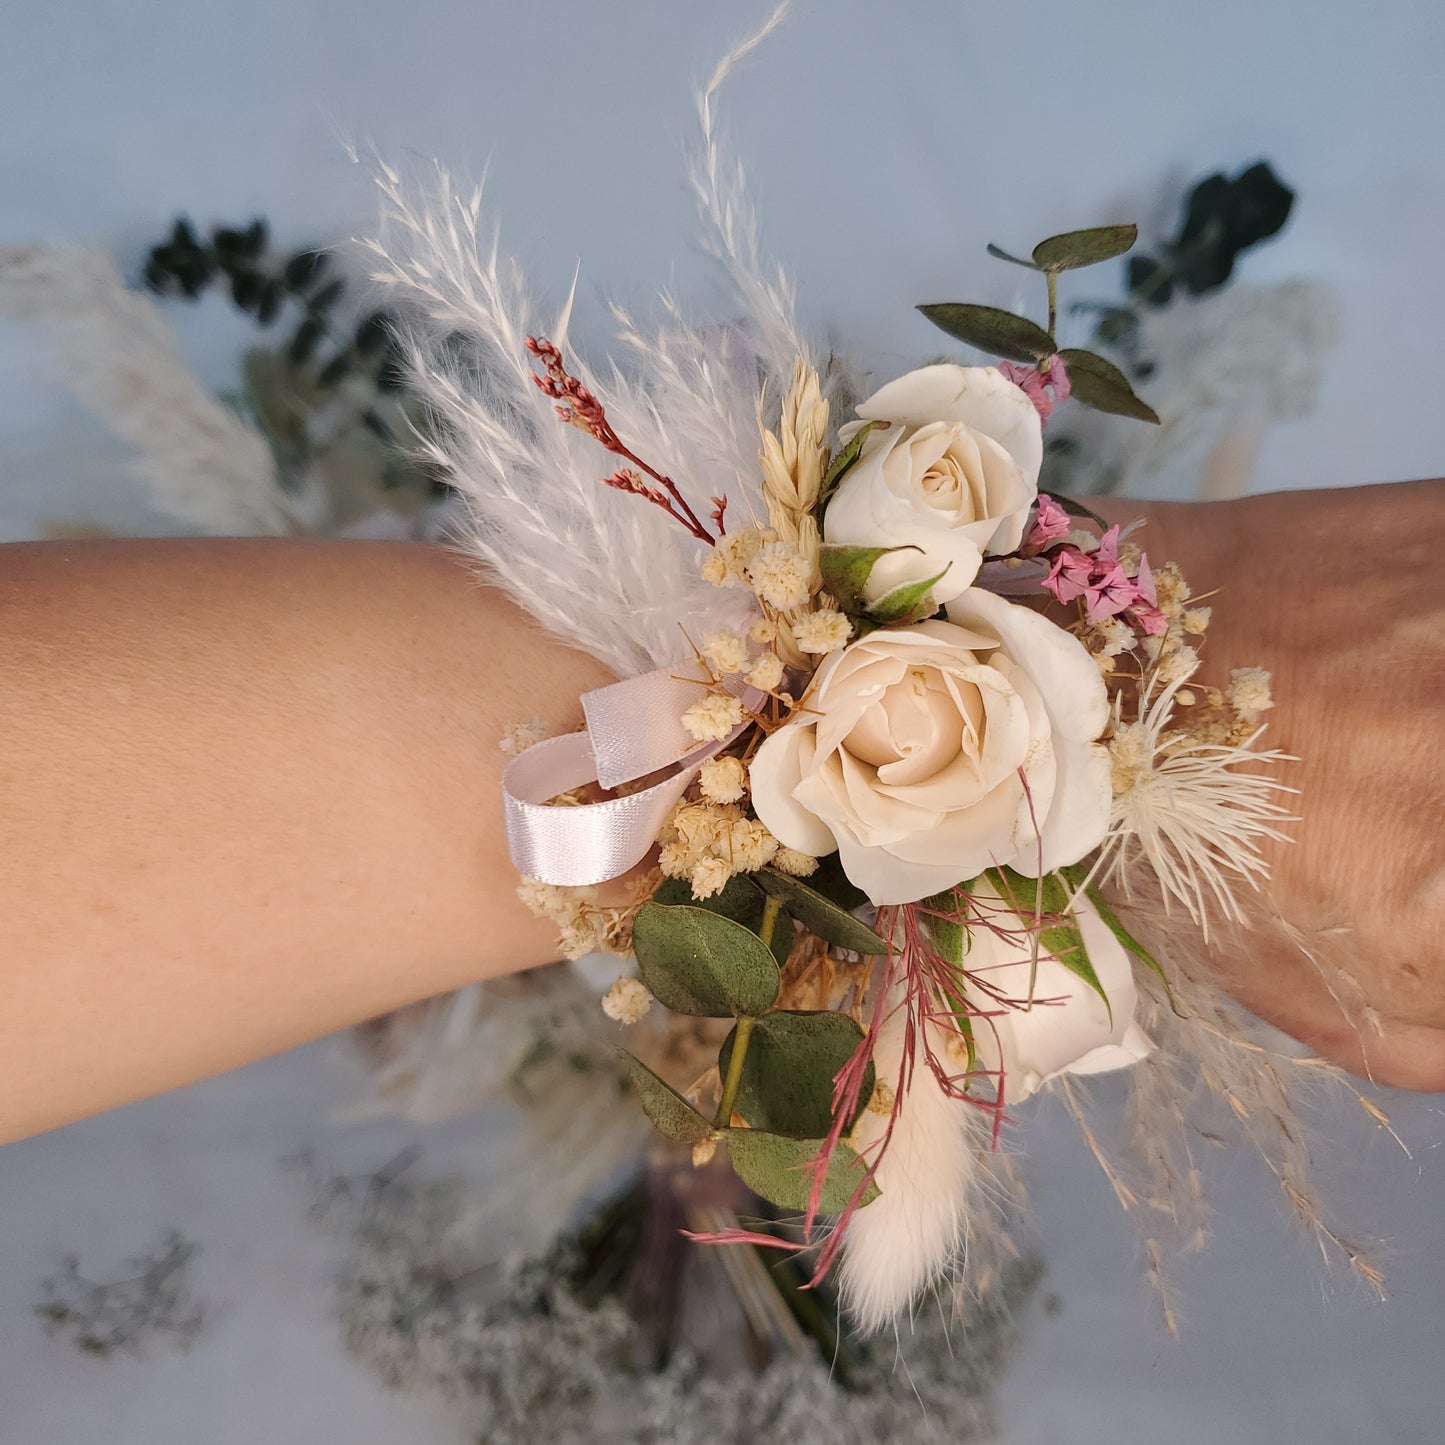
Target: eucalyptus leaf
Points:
(830, 921)
(912, 602)
(788, 1072)
(1003, 255)
(1000, 333)
(1073, 249)
(1100, 384)
(846, 570)
(740, 899)
(700, 963)
(842, 461)
(777, 1168)
(670, 1113)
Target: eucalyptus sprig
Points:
(294, 388)
(723, 958)
(1093, 379)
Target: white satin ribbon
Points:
(634, 728)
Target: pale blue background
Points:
(886, 144)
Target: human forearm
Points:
(250, 796)
(1337, 594)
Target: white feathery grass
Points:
(913, 1234)
(514, 1042)
(719, 186)
(606, 571)
(1197, 819)
(199, 461)
(1216, 1075)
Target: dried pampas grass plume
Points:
(200, 463)
(1216, 1075)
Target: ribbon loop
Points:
(634, 728)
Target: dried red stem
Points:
(578, 407)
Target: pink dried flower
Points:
(1037, 381)
(1051, 524)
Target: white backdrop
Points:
(887, 144)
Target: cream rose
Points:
(953, 474)
(927, 754)
(1063, 1027)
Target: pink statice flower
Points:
(1036, 384)
(1099, 578)
(1051, 524)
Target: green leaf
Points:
(912, 602)
(1100, 384)
(835, 885)
(777, 1169)
(1003, 255)
(741, 900)
(846, 570)
(830, 921)
(986, 327)
(1064, 942)
(1078, 509)
(1075, 876)
(670, 1113)
(842, 462)
(787, 1081)
(700, 963)
(1073, 249)
(951, 939)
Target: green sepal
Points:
(949, 938)
(846, 570)
(776, 1168)
(1064, 941)
(842, 461)
(1000, 333)
(830, 921)
(787, 1076)
(912, 602)
(740, 899)
(1131, 945)
(670, 1113)
(952, 940)
(1072, 249)
(700, 963)
(1098, 383)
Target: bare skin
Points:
(1340, 595)
(249, 796)
(249, 787)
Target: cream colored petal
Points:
(777, 769)
(980, 396)
(887, 879)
